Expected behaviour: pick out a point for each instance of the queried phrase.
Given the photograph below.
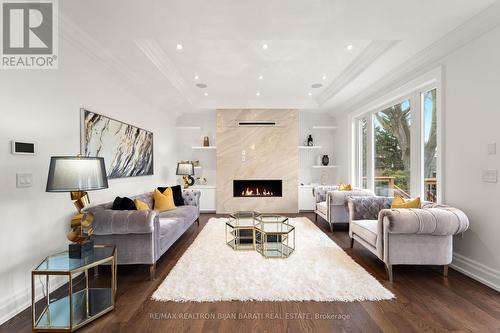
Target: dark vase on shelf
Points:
(325, 160)
(310, 140)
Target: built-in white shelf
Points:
(310, 147)
(197, 167)
(204, 148)
(325, 127)
(324, 166)
(203, 187)
(188, 128)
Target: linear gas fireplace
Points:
(257, 188)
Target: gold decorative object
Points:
(81, 223)
(206, 142)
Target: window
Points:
(363, 152)
(392, 150)
(429, 109)
(397, 141)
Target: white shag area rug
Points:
(318, 270)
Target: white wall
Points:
(472, 120)
(471, 83)
(341, 149)
(43, 107)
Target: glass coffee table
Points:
(274, 236)
(60, 311)
(269, 234)
(240, 230)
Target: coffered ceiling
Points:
(261, 53)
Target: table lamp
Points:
(186, 170)
(77, 175)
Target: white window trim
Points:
(410, 90)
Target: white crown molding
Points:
(429, 57)
(154, 52)
(369, 55)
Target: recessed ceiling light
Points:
(205, 93)
(323, 77)
(261, 77)
(201, 85)
(196, 77)
(257, 93)
(316, 85)
(179, 46)
(309, 94)
(349, 47)
(264, 46)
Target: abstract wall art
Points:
(127, 150)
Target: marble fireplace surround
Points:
(257, 152)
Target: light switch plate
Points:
(489, 176)
(24, 180)
(492, 148)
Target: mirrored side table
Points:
(274, 236)
(69, 308)
(240, 230)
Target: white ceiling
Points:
(222, 44)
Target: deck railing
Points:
(387, 184)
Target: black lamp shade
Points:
(185, 169)
(75, 173)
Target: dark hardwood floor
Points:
(425, 302)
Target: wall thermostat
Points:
(23, 148)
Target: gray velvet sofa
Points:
(405, 236)
(331, 203)
(143, 236)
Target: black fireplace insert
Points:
(258, 188)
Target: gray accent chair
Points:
(143, 236)
(331, 203)
(405, 236)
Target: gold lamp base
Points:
(81, 223)
(186, 182)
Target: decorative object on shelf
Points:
(310, 141)
(186, 170)
(128, 150)
(201, 181)
(206, 142)
(196, 163)
(77, 174)
(325, 160)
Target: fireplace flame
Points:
(248, 192)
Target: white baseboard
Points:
(19, 302)
(476, 270)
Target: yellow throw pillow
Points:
(164, 201)
(141, 205)
(399, 202)
(345, 187)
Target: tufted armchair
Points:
(142, 237)
(405, 236)
(331, 203)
